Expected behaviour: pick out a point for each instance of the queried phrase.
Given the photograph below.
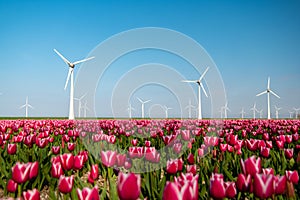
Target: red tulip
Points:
(94, 171)
(147, 143)
(65, 184)
(288, 153)
(71, 146)
(188, 185)
(230, 148)
(34, 170)
(265, 152)
(191, 159)
(269, 144)
(31, 195)
(129, 186)
(230, 189)
(172, 191)
(67, 161)
(251, 165)
(134, 142)
(56, 170)
(191, 169)
(172, 167)
(20, 172)
(261, 143)
(55, 150)
(252, 144)
(88, 194)
(289, 139)
(223, 147)
(108, 158)
(217, 188)
(11, 149)
(11, 186)
(268, 171)
(200, 152)
(280, 144)
(263, 186)
(280, 184)
(292, 176)
(243, 182)
(78, 162)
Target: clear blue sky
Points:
(248, 41)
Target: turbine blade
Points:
(62, 57)
(202, 76)
(188, 81)
(264, 92)
(275, 94)
(81, 61)
(68, 77)
(140, 100)
(203, 89)
(30, 106)
(147, 101)
(22, 106)
(268, 83)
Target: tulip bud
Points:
(132, 180)
(65, 184)
(11, 149)
(11, 186)
(191, 159)
(55, 150)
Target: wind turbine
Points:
(166, 110)
(71, 75)
(190, 107)
(130, 109)
(200, 85)
(260, 113)
(85, 108)
(79, 104)
(277, 111)
(268, 91)
(26, 105)
(225, 108)
(296, 111)
(143, 104)
(221, 111)
(243, 112)
(254, 110)
(291, 114)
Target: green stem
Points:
(20, 190)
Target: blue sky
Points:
(247, 40)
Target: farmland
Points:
(153, 159)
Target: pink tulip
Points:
(191, 159)
(263, 186)
(129, 186)
(94, 171)
(177, 147)
(230, 189)
(188, 185)
(217, 188)
(280, 184)
(56, 170)
(292, 176)
(34, 170)
(31, 195)
(88, 194)
(120, 160)
(134, 142)
(71, 146)
(280, 144)
(191, 169)
(223, 147)
(288, 139)
(172, 191)
(11, 186)
(251, 165)
(136, 152)
(252, 144)
(65, 184)
(20, 172)
(147, 143)
(265, 152)
(152, 155)
(67, 161)
(11, 149)
(243, 182)
(288, 153)
(78, 162)
(268, 171)
(108, 158)
(55, 150)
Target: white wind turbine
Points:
(166, 111)
(71, 75)
(254, 109)
(260, 113)
(225, 108)
(26, 106)
(268, 91)
(190, 107)
(296, 111)
(200, 85)
(291, 114)
(130, 109)
(79, 104)
(243, 113)
(143, 104)
(277, 111)
(85, 108)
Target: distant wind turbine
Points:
(268, 91)
(291, 114)
(242, 113)
(143, 104)
(225, 108)
(277, 111)
(26, 106)
(85, 108)
(260, 113)
(71, 75)
(166, 110)
(200, 85)
(190, 107)
(296, 111)
(79, 104)
(130, 109)
(254, 109)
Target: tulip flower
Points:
(252, 144)
(152, 155)
(280, 144)
(108, 158)
(136, 152)
(171, 191)
(172, 167)
(20, 172)
(188, 185)
(129, 186)
(94, 171)
(67, 161)
(134, 142)
(292, 176)
(191, 169)
(263, 186)
(288, 139)
(191, 159)
(31, 195)
(265, 152)
(177, 147)
(11, 149)
(243, 182)
(120, 160)
(65, 184)
(200, 152)
(289, 153)
(223, 147)
(147, 143)
(78, 162)
(11, 186)
(88, 194)
(55, 150)
(71, 146)
(251, 165)
(230, 189)
(280, 184)
(268, 171)
(216, 187)
(56, 170)
(34, 169)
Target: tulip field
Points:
(149, 159)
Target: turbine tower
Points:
(130, 109)
(225, 108)
(200, 85)
(26, 106)
(71, 75)
(242, 113)
(260, 113)
(296, 111)
(277, 111)
(268, 91)
(143, 104)
(190, 107)
(166, 110)
(79, 104)
(85, 108)
(254, 110)
(291, 114)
